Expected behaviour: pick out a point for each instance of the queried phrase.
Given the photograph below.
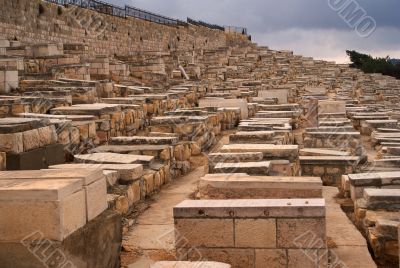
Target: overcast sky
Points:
(308, 27)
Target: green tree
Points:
(368, 64)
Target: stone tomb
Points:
(331, 107)
(281, 94)
(252, 168)
(377, 215)
(56, 208)
(252, 137)
(252, 233)
(361, 181)
(93, 183)
(329, 168)
(270, 151)
(216, 158)
(241, 186)
(226, 103)
(112, 158)
(127, 173)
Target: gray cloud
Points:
(308, 26)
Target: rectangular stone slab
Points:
(388, 162)
(277, 114)
(375, 179)
(219, 102)
(270, 151)
(322, 134)
(112, 158)
(125, 149)
(327, 106)
(93, 181)
(389, 196)
(87, 176)
(258, 187)
(42, 190)
(251, 136)
(329, 160)
(392, 150)
(143, 140)
(251, 168)
(361, 181)
(127, 172)
(279, 107)
(251, 208)
(55, 208)
(322, 152)
(215, 158)
(95, 109)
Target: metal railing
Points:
(149, 16)
(205, 24)
(128, 11)
(118, 11)
(95, 5)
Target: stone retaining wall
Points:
(35, 21)
(251, 233)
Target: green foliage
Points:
(368, 64)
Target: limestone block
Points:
(274, 208)
(93, 182)
(46, 50)
(326, 107)
(275, 258)
(195, 149)
(112, 177)
(31, 139)
(255, 233)
(196, 232)
(11, 143)
(165, 154)
(281, 94)
(136, 140)
(157, 181)
(127, 172)
(111, 158)
(270, 151)
(306, 258)
(243, 186)
(55, 208)
(4, 43)
(149, 184)
(3, 164)
(238, 258)
(8, 81)
(388, 199)
(118, 203)
(219, 102)
(251, 168)
(134, 193)
(64, 137)
(96, 198)
(47, 135)
(296, 233)
(251, 137)
(75, 135)
(280, 168)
